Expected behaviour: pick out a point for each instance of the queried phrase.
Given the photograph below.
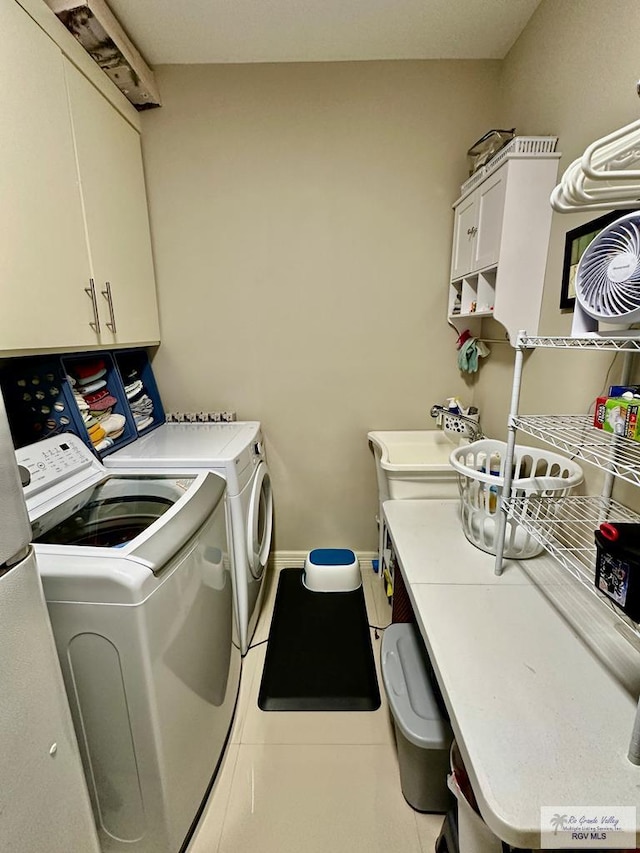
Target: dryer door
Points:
(259, 521)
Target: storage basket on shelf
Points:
(456, 428)
(480, 468)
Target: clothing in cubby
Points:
(95, 403)
(140, 402)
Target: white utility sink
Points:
(414, 464)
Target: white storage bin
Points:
(480, 468)
(474, 836)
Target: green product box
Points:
(618, 416)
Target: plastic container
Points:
(618, 565)
(38, 400)
(423, 733)
(480, 468)
(457, 429)
(474, 836)
(487, 147)
(523, 146)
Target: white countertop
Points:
(540, 687)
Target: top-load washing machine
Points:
(137, 577)
(236, 452)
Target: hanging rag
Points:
(469, 349)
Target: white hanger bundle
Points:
(604, 177)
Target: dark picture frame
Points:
(575, 244)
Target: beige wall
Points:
(572, 73)
(301, 218)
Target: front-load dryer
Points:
(236, 452)
(138, 582)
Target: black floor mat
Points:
(319, 655)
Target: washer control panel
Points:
(52, 460)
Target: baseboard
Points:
(295, 559)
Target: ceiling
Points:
(218, 31)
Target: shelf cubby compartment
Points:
(134, 364)
(114, 387)
(474, 295)
(38, 400)
(469, 295)
(486, 292)
(455, 299)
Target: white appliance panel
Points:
(45, 804)
(15, 532)
(187, 445)
(236, 451)
(144, 631)
(154, 716)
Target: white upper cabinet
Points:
(478, 227)
(115, 210)
(500, 245)
(76, 269)
(44, 266)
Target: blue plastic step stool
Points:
(332, 570)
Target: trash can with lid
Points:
(423, 733)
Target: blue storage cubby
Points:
(134, 364)
(38, 400)
(73, 365)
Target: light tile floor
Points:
(311, 782)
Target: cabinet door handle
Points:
(472, 231)
(91, 293)
(107, 295)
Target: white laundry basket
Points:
(480, 468)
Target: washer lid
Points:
(117, 528)
(187, 445)
(111, 513)
(80, 560)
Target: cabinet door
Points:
(490, 204)
(117, 221)
(464, 232)
(44, 266)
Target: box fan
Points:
(607, 282)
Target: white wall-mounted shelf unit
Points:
(565, 526)
(500, 242)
